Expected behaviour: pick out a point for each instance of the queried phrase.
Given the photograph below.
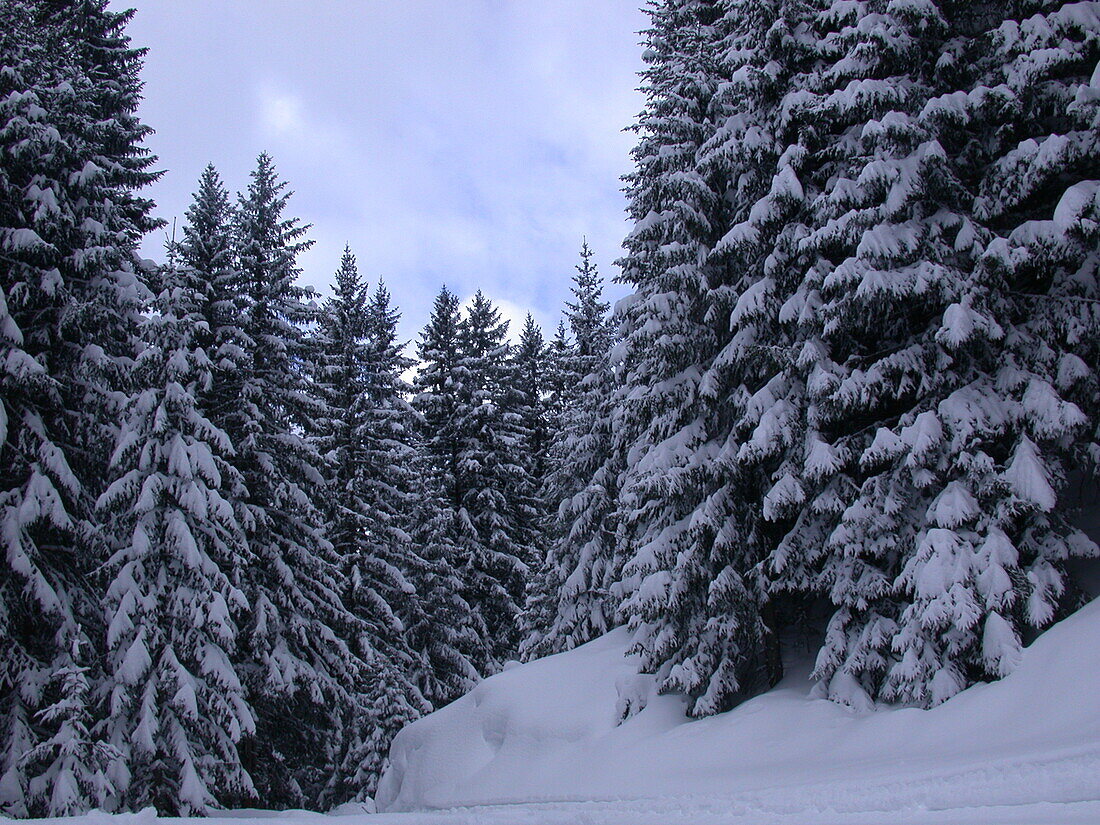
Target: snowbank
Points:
(546, 731)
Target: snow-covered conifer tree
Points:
(589, 322)
(174, 605)
(70, 292)
(750, 426)
(72, 769)
(530, 362)
(567, 599)
(557, 356)
(366, 437)
(689, 585)
(303, 676)
(207, 252)
(497, 490)
(450, 635)
(943, 544)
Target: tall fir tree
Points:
(496, 513)
(451, 635)
(365, 436)
(557, 379)
(70, 291)
(531, 366)
(589, 322)
(174, 605)
(207, 251)
(689, 585)
(567, 599)
(942, 546)
(72, 768)
(752, 389)
(303, 676)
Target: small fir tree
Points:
(71, 769)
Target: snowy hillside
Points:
(545, 732)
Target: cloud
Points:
(470, 144)
(281, 114)
(297, 134)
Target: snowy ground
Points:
(531, 744)
(539, 745)
(667, 811)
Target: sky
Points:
(466, 142)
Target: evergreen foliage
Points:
(851, 365)
(689, 583)
(496, 514)
(71, 768)
(70, 292)
(452, 635)
(302, 672)
(530, 362)
(366, 438)
(567, 600)
(174, 605)
(942, 550)
(849, 396)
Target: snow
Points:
(540, 743)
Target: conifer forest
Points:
(849, 406)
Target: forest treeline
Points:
(846, 404)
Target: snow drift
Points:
(548, 731)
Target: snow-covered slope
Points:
(546, 732)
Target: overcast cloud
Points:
(467, 142)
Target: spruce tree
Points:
(450, 635)
(174, 604)
(72, 769)
(496, 513)
(365, 436)
(530, 364)
(70, 291)
(303, 677)
(752, 390)
(689, 584)
(558, 351)
(207, 252)
(589, 322)
(931, 484)
(567, 600)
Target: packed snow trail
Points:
(665, 811)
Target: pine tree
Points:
(70, 292)
(689, 585)
(174, 604)
(303, 678)
(207, 251)
(588, 321)
(557, 380)
(366, 438)
(1040, 190)
(943, 545)
(530, 363)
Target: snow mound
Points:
(548, 732)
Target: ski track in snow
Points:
(1060, 790)
(817, 806)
